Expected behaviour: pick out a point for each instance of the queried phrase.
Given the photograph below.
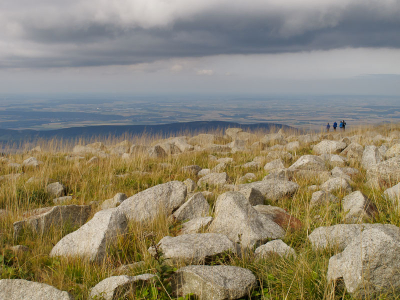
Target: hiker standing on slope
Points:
(341, 125)
(334, 126)
(344, 125)
(327, 127)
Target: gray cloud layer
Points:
(54, 33)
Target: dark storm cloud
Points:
(90, 35)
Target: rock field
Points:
(218, 216)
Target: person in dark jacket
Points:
(334, 126)
(328, 127)
(344, 125)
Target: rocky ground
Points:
(234, 215)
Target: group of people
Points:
(342, 126)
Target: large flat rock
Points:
(213, 282)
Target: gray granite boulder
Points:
(114, 202)
(386, 171)
(236, 218)
(393, 151)
(20, 289)
(276, 164)
(217, 179)
(275, 247)
(371, 157)
(195, 225)
(160, 199)
(90, 148)
(117, 287)
(340, 235)
(248, 177)
(329, 147)
(196, 207)
(121, 148)
(358, 207)
(41, 220)
(322, 197)
(62, 200)
(273, 189)
(156, 152)
(202, 139)
(193, 248)
(309, 162)
(393, 194)
(254, 196)
(370, 264)
(191, 185)
(280, 217)
(91, 241)
(335, 184)
(31, 162)
(192, 169)
(55, 189)
(213, 282)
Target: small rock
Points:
(55, 189)
(115, 201)
(191, 185)
(273, 189)
(322, 197)
(371, 157)
(129, 268)
(204, 172)
(31, 162)
(393, 151)
(62, 200)
(193, 169)
(194, 248)
(93, 160)
(336, 183)
(252, 165)
(213, 282)
(248, 177)
(275, 247)
(195, 225)
(196, 207)
(274, 165)
(358, 207)
(393, 194)
(219, 168)
(217, 179)
(20, 249)
(116, 287)
(280, 217)
(225, 160)
(329, 147)
(309, 162)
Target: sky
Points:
(200, 46)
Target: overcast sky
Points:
(200, 46)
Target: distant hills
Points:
(9, 135)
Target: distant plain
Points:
(303, 112)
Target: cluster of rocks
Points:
(365, 253)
